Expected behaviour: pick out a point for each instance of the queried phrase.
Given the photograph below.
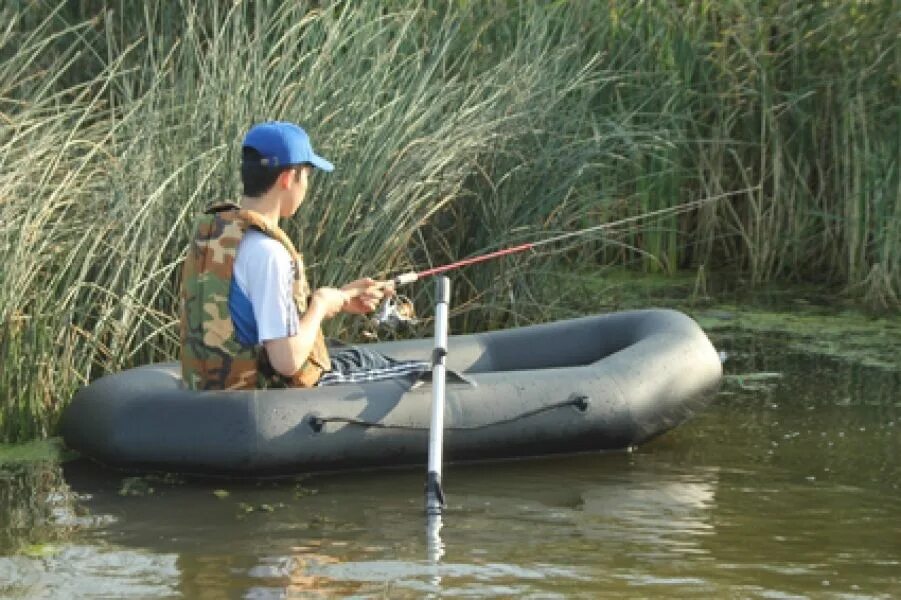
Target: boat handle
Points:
(580, 402)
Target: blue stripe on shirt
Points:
(242, 316)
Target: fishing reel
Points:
(395, 313)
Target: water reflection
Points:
(434, 546)
(86, 571)
(41, 521)
(37, 507)
(341, 541)
(651, 522)
(662, 515)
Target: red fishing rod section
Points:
(411, 277)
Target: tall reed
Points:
(456, 127)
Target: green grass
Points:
(457, 128)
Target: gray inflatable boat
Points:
(595, 383)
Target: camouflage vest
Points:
(212, 358)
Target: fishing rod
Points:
(398, 310)
(412, 276)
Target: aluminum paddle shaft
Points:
(434, 494)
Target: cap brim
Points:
(322, 164)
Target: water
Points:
(787, 486)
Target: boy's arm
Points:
(287, 355)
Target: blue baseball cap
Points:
(283, 144)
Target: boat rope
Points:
(579, 401)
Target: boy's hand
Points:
(330, 301)
(365, 295)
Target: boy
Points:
(248, 319)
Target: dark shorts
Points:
(356, 364)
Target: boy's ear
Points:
(285, 178)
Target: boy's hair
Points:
(257, 178)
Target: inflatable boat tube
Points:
(595, 383)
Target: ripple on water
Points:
(79, 571)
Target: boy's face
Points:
(296, 189)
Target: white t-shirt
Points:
(261, 300)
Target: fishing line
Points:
(412, 276)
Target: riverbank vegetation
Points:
(457, 128)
